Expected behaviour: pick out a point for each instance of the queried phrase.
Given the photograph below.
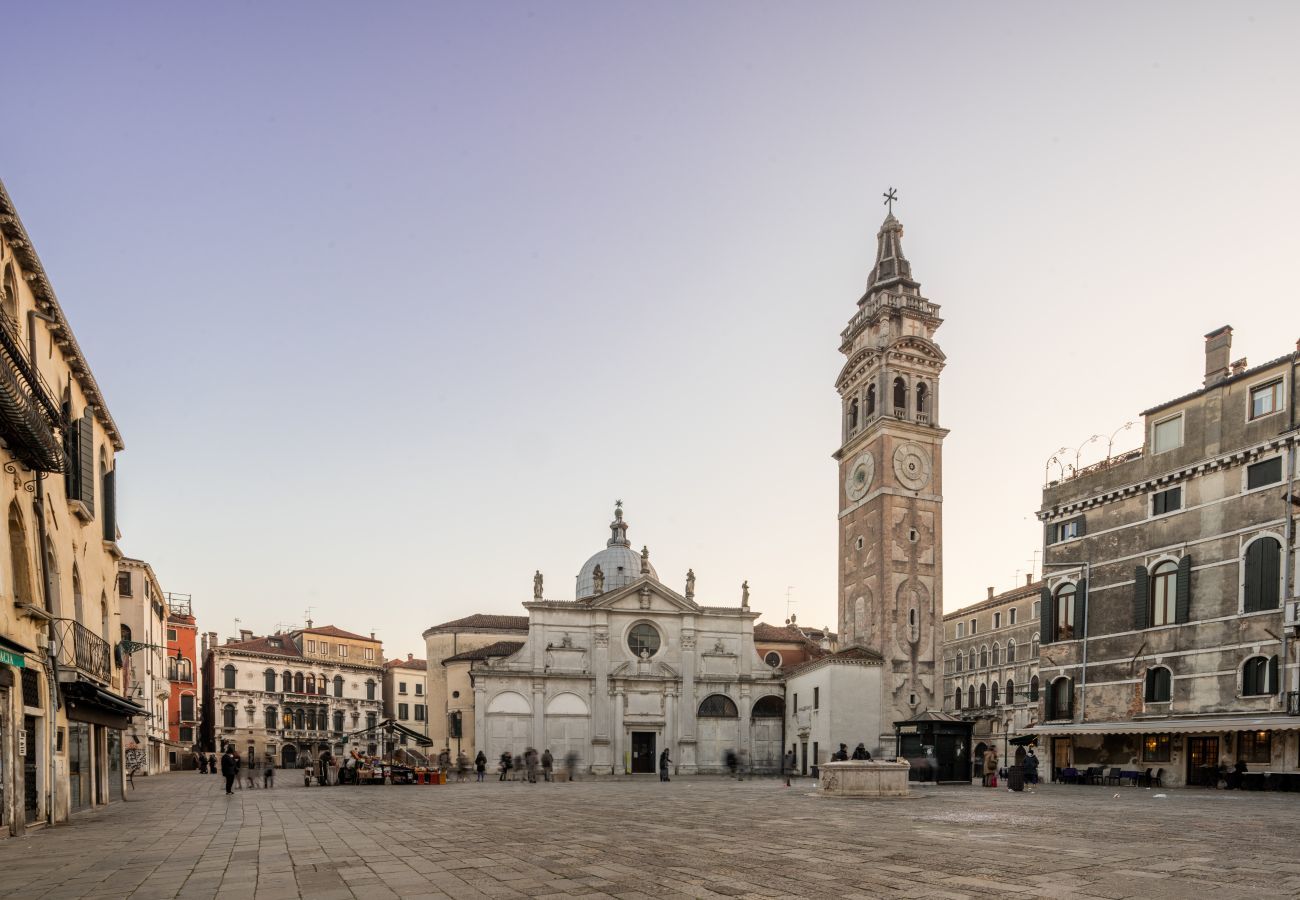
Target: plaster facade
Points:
(825, 707)
(404, 698)
(144, 620)
(450, 694)
(185, 676)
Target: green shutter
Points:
(1183, 590)
(110, 506)
(1046, 619)
(1254, 566)
(1272, 675)
(1083, 525)
(72, 468)
(1141, 598)
(1270, 573)
(86, 458)
(1081, 609)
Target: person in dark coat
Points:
(230, 769)
(1031, 767)
(212, 763)
(841, 755)
(505, 765)
(664, 762)
(203, 764)
(860, 752)
(480, 765)
(731, 761)
(789, 763)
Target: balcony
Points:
(28, 412)
(1293, 703)
(81, 652)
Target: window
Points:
(338, 685)
(1155, 748)
(1066, 531)
(1164, 578)
(370, 653)
(871, 400)
(922, 398)
(420, 710)
(1167, 501)
(171, 635)
(961, 659)
(961, 629)
(1033, 688)
(298, 683)
(401, 687)
(309, 684)
(718, 706)
(270, 681)
(311, 646)
(1033, 648)
(124, 584)
(984, 659)
(1259, 676)
(338, 721)
(1262, 580)
(187, 734)
(1011, 692)
(1255, 746)
(1033, 611)
(972, 627)
(403, 711)
(853, 414)
(1266, 399)
(956, 699)
(1012, 615)
(971, 658)
(1065, 612)
(984, 695)
(997, 620)
(370, 721)
(286, 679)
(970, 697)
(773, 659)
(324, 648)
(228, 716)
(900, 396)
(1167, 435)
(370, 690)
(993, 695)
(1264, 473)
(817, 698)
(228, 678)
(343, 651)
(272, 719)
(187, 708)
(643, 640)
(1011, 650)
(1158, 685)
(1060, 699)
(419, 689)
(997, 653)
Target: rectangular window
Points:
(124, 584)
(370, 653)
(1012, 614)
(1263, 473)
(419, 689)
(817, 698)
(1167, 435)
(343, 651)
(1155, 748)
(401, 687)
(961, 629)
(324, 648)
(187, 708)
(1166, 501)
(796, 703)
(171, 635)
(1066, 531)
(403, 711)
(1255, 746)
(1033, 612)
(997, 620)
(187, 735)
(311, 646)
(972, 627)
(419, 712)
(1266, 399)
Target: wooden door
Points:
(643, 752)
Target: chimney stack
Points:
(1029, 579)
(990, 592)
(245, 634)
(1218, 350)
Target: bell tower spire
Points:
(890, 499)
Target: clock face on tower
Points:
(912, 466)
(858, 480)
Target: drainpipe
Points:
(1288, 556)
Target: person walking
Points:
(517, 767)
(462, 766)
(268, 774)
(530, 763)
(203, 764)
(239, 764)
(991, 767)
(229, 768)
(789, 763)
(480, 765)
(504, 765)
(665, 761)
(212, 763)
(571, 764)
(548, 766)
(1031, 767)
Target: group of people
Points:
(1025, 758)
(525, 766)
(230, 765)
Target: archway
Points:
(767, 734)
(289, 756)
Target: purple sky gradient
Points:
(391, 302)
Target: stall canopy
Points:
(1160, 726)
(394, 727)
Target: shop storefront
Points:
(96, 719)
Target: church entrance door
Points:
(643, 752)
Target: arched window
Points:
(228, 716)
(1060, 699)
(984, 695)
(272, 720)
(961, 660)
(1158, 685)
(1033, 648)
(1064, 607)
(922, 397)
(970, 697)
(270, 681)
(322, 684)
(78, 605)
(338, 721)
(18, 559)
(769, 707)
(853, 414)
(971, 658)
(103, 618)
(994, 693)
(338, 685)
(718, 706)
(184, 669)
(1011, 648)
(1011, 692)
(1033, 689)
(1262, 578)
(297, 682)
(311, 684)
(984, 658)
(10, 299)
(299, 719)
(997, 652)
(1164, 577)
(228, 678)
(900, 396)
(956, 699)
(1259, 676)
(871, 400)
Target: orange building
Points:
(183, 672)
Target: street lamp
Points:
(1054, 458)
(1079, 450)
(1111, 443)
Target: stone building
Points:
(447, 680)
(990, 665)
(786, 647)
(62, 709)
(1164, 642)
(829, 702)
(146, 664)
(284, 698)
(405, 701)
(629, 668)
(183, 673)
(891, 491)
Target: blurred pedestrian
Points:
(571, 764)
(548, 766)
(480, 765)
(229, 768)
(790, 762)
(664, 762)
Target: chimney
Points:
(1239, 366)
(1218, 350)
(1029, 579)
(410, 656)
(245, 634)
(990, 592)
(212, 640)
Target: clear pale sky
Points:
(392, 301)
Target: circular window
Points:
(455, 694)
(773, 659)
(643, 640)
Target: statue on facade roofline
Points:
(645, 560)
(597, 580)
(744, 594)
(690, 584)
(537, 585)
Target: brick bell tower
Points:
(890, 486)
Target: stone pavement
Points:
(180, 836)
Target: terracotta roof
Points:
(486, 620)
(500, 648)
(331, 631)
(785, 633)
(1025, 591)
(419, 664)
(263, 645)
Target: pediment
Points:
(915, 344)
(635, 596)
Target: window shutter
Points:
(1183, 590)
(1081, 609)
(1083, 526)
(1270, 573)
(110, 505)
(1272, 675)
(1141, 598)
(1046, 618)
(1254, 562)
(86, 458)
(72, 466)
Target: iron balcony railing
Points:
(1293, 703)
(80, 649)
(29, 414)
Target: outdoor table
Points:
(1134, 777)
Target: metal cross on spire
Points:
(891, 196)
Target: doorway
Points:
(80, 784)
(643, 752)
(31, 793)
(1202, 753)
(289, 756)
(1061, 753)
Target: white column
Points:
(618, 765)
(539, 714)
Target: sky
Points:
(392, 302)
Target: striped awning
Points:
(1162, 726)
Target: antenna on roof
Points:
(306, 615)
(788, 602)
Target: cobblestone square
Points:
(180, 836)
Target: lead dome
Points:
(619, 563)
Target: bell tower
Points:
(891, 485)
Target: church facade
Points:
(629, 668)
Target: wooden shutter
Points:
(1183, 590)
(1083, 525)
(1081, 608)
(72, 468)
(1046, 618)
(1272, 675)
(110, 506)
(1141, 598)
(1270, 573)
(86, 458)
(1254, 565)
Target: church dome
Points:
(619, 563)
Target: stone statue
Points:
(645, 560)
(598, 580)
(744, 595)
(537, 585)
(690, 584)
(566, 640)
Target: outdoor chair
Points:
(1158, 778)
(1113, 776)
(1145, 778)
(1093, 775)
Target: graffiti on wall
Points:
(135, 759)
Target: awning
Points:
(1023, 740)
(1164, 726)
(12, 652)
(392, 725)
(87, 702)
